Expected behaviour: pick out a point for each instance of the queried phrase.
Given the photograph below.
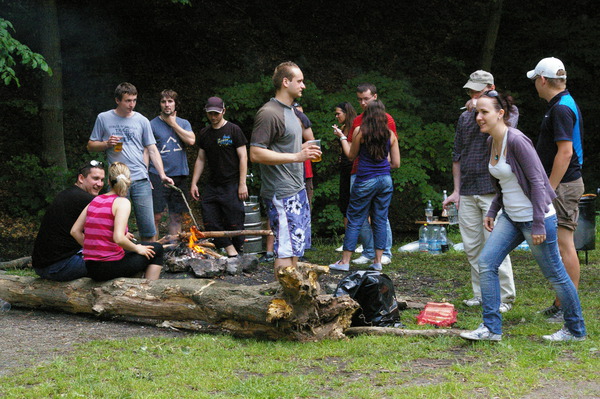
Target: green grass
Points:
(212, 366)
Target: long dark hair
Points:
(501, 101)
(350, 112)
(375, 131)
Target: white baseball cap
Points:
(548, 67)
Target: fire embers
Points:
(198, 255)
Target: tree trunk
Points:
(493, 25)
(292, 309)
(53, 143)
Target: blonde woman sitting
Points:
(101, 229)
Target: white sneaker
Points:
(362, 260)
(358, 249)
(376, 266)
(472, 302)
(562, 335)
(505, 307)
(339, 266)
(481, 334)
(386, 260)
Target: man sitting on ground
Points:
(56, 254)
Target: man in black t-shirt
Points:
(223, 149)
(56, 254)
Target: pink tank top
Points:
(99, 225)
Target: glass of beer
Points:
(119, 146)
(318, 144)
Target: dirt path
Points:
(29, 337)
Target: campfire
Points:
(193, 251)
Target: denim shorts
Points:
(290, 221)
(166, 197)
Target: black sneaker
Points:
(550, 310)
(266, 258)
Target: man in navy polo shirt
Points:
(560, 148)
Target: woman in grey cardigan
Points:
(525, 196)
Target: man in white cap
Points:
(473, 191)
(222, 146)
(560, 148)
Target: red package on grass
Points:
(438, 314)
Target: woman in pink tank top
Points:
(101, 229)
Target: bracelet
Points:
(343, 138)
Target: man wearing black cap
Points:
(222, 146)
(56, 255)
(473, 191)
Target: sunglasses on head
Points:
(496, 95)
(93, 164)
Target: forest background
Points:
(419, 54)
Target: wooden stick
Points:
(20, 263)
(233, 233)
(401, 331)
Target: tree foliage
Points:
(424, 147)
(11, 48)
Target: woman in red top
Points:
(101, 229)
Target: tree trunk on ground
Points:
(53, 143)
(292, 309)
(493, 25)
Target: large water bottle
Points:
(429, 212)
(452, 213)
(423, 238)
(433, 242)
(443, 240)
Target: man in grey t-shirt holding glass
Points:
(276, 144)
(123, 135)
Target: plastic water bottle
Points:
(4, 306)
(423, 238)
(429, 212)
(443, 240)
(433, 242)
(452, 213)
(444, 210)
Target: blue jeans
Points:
(369, 197)
(366, 235)
(140, 194)
(67, 269)
(504, 238)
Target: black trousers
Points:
(127, 266)
(222, 210)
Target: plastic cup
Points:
(318, 144)
(119, 146)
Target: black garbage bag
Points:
(374, 292)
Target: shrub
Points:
(425, 149)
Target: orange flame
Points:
(192, 243)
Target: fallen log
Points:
(20, 263)
(437, 332)
(292, 309)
